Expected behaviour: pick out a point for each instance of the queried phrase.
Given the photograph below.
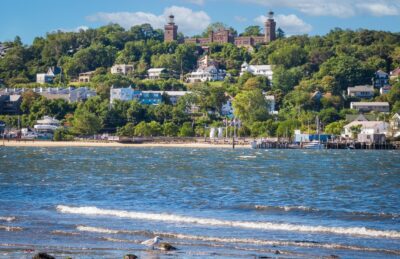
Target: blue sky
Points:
(31, 18)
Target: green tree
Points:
(288, 56)
(250, 106)
(253, 30)
(170, 129)
(127, 131)
(186, 130)
(280, 34)
(335, 127)
(86, 123)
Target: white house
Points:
(370, 106)
(47, 78)
(257, 70)
(210, 73)
(156, 73)
(47, 125)
(123, 94)
(367, 127)
(122, 69)
(361, 91)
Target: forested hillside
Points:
(302, 65)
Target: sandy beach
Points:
(23, 143)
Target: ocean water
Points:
(209, 203)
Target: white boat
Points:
(315, 144)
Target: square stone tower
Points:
(270, 26)
(170, 30)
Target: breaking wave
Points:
(230, 240)
(10, 228)
(8, 219)
(284, 208)
(358, 214)
(357, 231)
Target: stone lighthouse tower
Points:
(270, 26)
(170, 30)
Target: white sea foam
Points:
(97, 230)
(10, 228)
(8, 219)
(358, 231)
(232, 240)
(285, 208)
(247, 157)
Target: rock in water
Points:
(43, 256)
(130, 256)
(167, 247)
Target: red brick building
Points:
(170, 30)
(225, 36)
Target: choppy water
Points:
(87, 202)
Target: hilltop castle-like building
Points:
(224, 35)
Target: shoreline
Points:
(23, 143)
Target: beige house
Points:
(122, 69)
(85, 77)
(370, 106)
(361, 91)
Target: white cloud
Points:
(337, 8)
(77, 29)
(290, 24)
(379, 9)
(188, 21)
(198, 2)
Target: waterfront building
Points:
(380, 79)
(47, 125)
(48, 77)
(300, 137)
(369, 130)
(361, 91)
(370, 106)
(85, 77)
(10, 104)
(122, 69)
(257, 70)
